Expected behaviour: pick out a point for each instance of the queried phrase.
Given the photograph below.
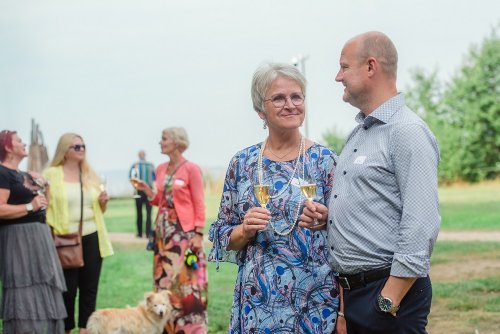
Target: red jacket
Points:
(187, 190)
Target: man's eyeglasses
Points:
(78, 147)
(279, 100)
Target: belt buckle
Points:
(346, 282)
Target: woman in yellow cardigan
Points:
(69, 176)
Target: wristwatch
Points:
(386, 305)
(29, 207)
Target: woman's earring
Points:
(264, 126)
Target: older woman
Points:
(30, 273)
(284, 282)
(75, 195)
(179, 230)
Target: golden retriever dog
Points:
(149, 317)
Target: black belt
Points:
(354, 281)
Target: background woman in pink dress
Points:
(179, 228)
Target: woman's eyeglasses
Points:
(279, 100)
(78, 147)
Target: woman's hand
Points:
(103, 200)
(341, 325)
(256, 219)
(39, 202)
(196, 243)
(140, 185)
(313, 216)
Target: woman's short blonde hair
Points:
(179, 137)
(265, 75)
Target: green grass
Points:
(471, 303)
(475, 302)
(470, 207)
(128, 274)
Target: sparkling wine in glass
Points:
(309, 190)
(102, 185)
(262, 194)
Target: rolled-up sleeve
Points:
(227, 220)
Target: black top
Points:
(22, 191)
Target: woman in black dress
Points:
(30, 272)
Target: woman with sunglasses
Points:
(284, 283)
(30, 273)
(70, 176)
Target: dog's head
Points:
(159, 303)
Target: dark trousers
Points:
(139, 202)
(363, 315)
(87, 280)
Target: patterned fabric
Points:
(189, 287)
(284, 283)
(384, 209)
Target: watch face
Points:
(385, 304)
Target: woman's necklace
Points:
(280, 157)
(260, 168)
(261, 178)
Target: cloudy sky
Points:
(119, 71)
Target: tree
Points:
(334, 139)
(465, 114)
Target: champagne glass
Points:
(261, 192)
(102, 186)
(134, 178)
(41, 189)
(309, 191)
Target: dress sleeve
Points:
(159, 186)
(327, 162)
(227, 219)
(4, 180)
(197, 196)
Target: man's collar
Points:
(383, 113)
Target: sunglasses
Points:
(78, 148)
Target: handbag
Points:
(69, 246)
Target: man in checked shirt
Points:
(383, 215)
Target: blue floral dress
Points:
(284, 283)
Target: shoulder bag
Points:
(69, 246)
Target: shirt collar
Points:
(383, 113)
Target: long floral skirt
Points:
(188, 286)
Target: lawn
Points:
(456, 297)
(465, 274)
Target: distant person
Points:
(383, 215)
(284, 282)
(71, 177)
(145, 171)
(31, 277)
(179, 230)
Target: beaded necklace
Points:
(261, 178)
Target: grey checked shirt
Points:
(384, 207)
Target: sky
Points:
(117, 72)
